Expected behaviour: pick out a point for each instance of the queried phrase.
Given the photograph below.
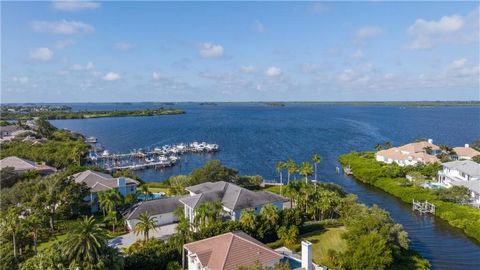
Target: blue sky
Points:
(232, 51)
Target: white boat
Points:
(149, 160)
(173, 158)
(91, 140)
(105, 153)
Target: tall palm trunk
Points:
(14, 239)
(35, 242)
(315, 164)
(51, 221)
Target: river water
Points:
(253, 137)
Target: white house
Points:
(98, 182)
(462, 173)
(465, 152)
(234, 199)
(410, 154)
(160, 209)
(233, 250)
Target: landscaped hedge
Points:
(366, 169)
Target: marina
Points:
(140, 159)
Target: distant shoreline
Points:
(282, 103)
(59, 115)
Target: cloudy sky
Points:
(125, 51)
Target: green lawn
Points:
(158, 189)
(322, 241)
(45, 245)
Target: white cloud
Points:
(61, 44)
(74, 5)
(367, 32)
(90, 66)
(459, 63)
(210, 50)
(78, 67)
(273, 72)
(259, 26)
(20, 79)
(42, 53)
(111, 76)
(156, 76)
(446, 24)
(63, 27)
(122, 46)
(358, 54)
(427, 33)
(247, 69)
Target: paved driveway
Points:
(126, 240)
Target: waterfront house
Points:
(237, 249)
(465, 152)
(21, 165)
(7, 133)
(98, 182)
(422, 152)
(234, 199)
(462, 173)
(161, 209)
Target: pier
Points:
(139, 159)
(423, 207)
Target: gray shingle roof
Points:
(153, 207)
(98, 181)
(466, 166)
(232, 196)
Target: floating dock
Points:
(423, 207)
(158, 157)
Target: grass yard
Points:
(322, 241)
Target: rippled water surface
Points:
(253, 137)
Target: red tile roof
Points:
(232, 250)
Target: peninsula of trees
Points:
(66, 114)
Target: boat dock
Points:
(158, 157)
(423, 207)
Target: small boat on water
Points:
(347, 170)
(91, 140)
(149, 160)
(105, 153)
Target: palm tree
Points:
(270, 214)
(280, 167)
(146, 223)
(248, 220)
(11, 223)
(291, 169)
(388, 145)
(109, 200)
(428, 150)
(292, 191)
(288, 235)
(207, 213)
(306, 170)
(378, 147)
(86, 243)
(111, 219)
(34, 224)
(316, 160)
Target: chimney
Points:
(430, 141)
(307, 255)
(467, 145)
(121, 181)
